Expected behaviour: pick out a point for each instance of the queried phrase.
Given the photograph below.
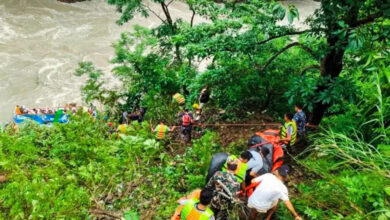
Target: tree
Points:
(341, 23)
(243, 38)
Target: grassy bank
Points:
(78, 171)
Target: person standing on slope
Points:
(186, 121)
(300, 120)
(265, 199)
(288, 133)
(204, 97)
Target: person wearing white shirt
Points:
(267, 195)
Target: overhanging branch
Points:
(155, 13)
(369, 19)
(283, 35)
(307, 49)
(310, 67)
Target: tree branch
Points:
(283, 35)
(192, 17)
(369, 19)
(170, 2)
(167, 15)
(307, 49)
(310, 67)
(153, 12)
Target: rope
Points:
(228, 125)
(239, 125)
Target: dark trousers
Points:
(186, 131)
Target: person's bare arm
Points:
(253, 174)
(292, 210)
(257, 179)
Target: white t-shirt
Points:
(270, 190)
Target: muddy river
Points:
(41, 42)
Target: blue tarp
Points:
(41, 119)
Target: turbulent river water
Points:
(41, 42)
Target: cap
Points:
(231, 160)
(284, 170)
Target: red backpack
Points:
(186, 120)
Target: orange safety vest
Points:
(17, 110)
(179, 98)
(122, 128)
(161, 131)
(186, 119)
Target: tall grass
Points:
(352, 166)
(352, 152)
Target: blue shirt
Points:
(300, 119)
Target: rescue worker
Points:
(197, 111)
(124, 119)
(288, 133)
(220, 204)
(162, 130)
(204, 97)
(122, 128)
(197, 209)
(242, 165)
(179, 98)
(17, 110)
(257, 165)
(110, 127)
(182, 201)
(269, 192)
(300, 120)
(186, 121)
(267, 164)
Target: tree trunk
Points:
(331, 65)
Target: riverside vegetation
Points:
(338, 67)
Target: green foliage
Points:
(351, 155)
(70, 170)
(253, 65)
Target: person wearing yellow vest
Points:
(179, 98)
(197, 209)
(122, 128)
(182, 201)
(161, 130)
(242, 166)
(288, 133)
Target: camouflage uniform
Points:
(219, 204)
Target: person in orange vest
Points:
(197, 208)
(17, 110)
(162, 130)
(122, 128)
(186, 121)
